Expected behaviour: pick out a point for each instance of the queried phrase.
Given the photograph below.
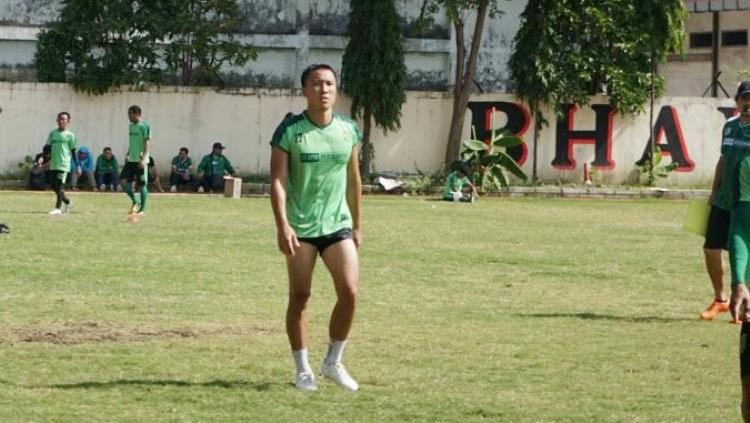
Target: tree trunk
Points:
(463, 82)
(367, 149)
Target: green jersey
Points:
(735, 144)
(214, 165)
(454, 183)
(106, 166)
(62, 143)
(182, 166)
(139, 132)
(318, 158)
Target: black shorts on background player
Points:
(717, 231)
(131, 171)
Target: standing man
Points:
(735, 146)
(735, 137)
(136, 160)
(62, 144)
(316, 195)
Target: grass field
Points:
(508, 310)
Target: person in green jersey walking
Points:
(62, 144)
(136, 159)
(316, 195)
(730, 193)
(735, 139)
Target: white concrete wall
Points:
(245, 120)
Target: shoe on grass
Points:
(67, 208)
(337, 373)
(717, 307)
(305, 381)
(135, 208)
(55, 212)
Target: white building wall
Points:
(244, 120)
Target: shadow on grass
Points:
(226, 384)
(609, 317)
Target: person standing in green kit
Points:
(136, 160)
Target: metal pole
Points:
(715, 56)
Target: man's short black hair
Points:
(312, 68)
(134, 109)
(64, 113)
(107, 149)
(185, 150)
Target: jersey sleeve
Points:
(146, 131)
(49, 138)
(227, 165)
(356, 134)
(72, 141)
(280, 138)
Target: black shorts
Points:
(132, 171)
(57, 179)
(325, 241)
(717, 231)
(744, 351)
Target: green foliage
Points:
(490, 163)
(100, 44)
(567, 50)
(648, 174)
(374, 71)
(456, 10)
(418, 184)
(202, 40)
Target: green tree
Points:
(374, 72)
(96, 44)
(568, 50)
(466, 65)
(201, 40)
(99, 44)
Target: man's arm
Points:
(285, 236)
(228, 166)
(717, 179)
(354, 195)
(144, 156)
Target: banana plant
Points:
(489, 161)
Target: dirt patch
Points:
(69, 333)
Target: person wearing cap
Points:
(735, 139)
(212, 169)
(730, 193)
(458, 186)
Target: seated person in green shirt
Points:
(458, 187)
(107, 171)
(212, 169)
(182, 171)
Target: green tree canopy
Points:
(374, 71)
(99, 44)
(567, 50)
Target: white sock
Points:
(335, 351)
(301, 361)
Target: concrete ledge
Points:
(255, 188)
